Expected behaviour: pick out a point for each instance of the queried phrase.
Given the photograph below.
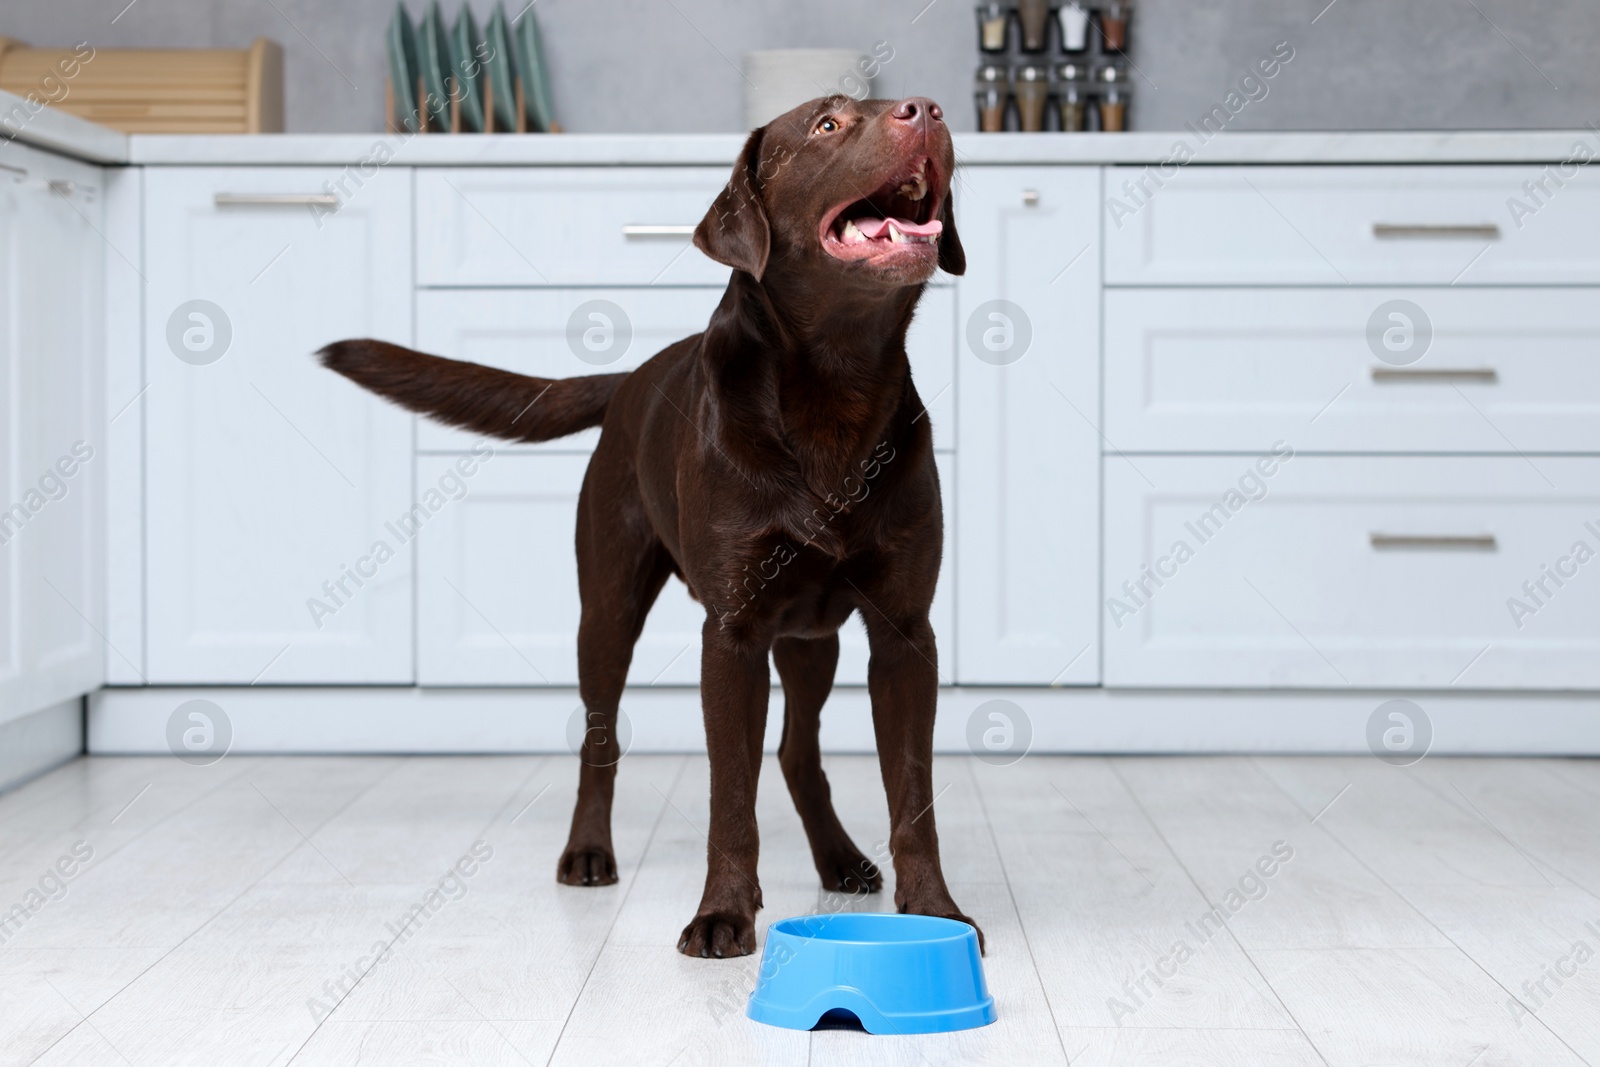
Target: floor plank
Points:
(1104, 906)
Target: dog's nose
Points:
(917, 110)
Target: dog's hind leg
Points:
(806, 668)
(621, 569)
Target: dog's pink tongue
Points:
(873, 229)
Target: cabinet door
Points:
(498, 595)
(270, 479)
(1342, 225)
(930, 349)
(52, 432)
(1029, 459)
(498, 582)
(565, 225)
(542, 332)
(1377, 572)
(1235, 370)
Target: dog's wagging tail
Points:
(496, 403)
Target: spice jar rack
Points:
(1053, 65)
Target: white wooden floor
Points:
(228, 913)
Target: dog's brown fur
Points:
(781, 464)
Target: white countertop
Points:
(64, 133)
(45, 127)
(973, 149)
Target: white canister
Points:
(776, 81)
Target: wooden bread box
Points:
(154, 90)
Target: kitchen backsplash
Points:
(654, 66)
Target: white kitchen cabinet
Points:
(270, 479)
(529, 331)
(497, 596)
(1353, 571)
(541, 332)
(1470, 370)
(494, 226)
(498, 582)
(52, 431)
(1028, 465)
(1407, 225)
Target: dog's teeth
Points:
(852, 234)
(915, 189)
(896, 236)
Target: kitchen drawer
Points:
(1233, 370)
(526, 330)
(564, 226)
(497, 590)
(1318, 226)
(1289, 589)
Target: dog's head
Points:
(859, 189)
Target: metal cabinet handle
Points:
(658, 231)
(276, 199)
(1483, 231)
(1434, 374)
(1030, 198)
(1470, 542)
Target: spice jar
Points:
(1034, 17)
(994, 24)
(1031, 91)
(1112, 82)
(1072, 96)
(1074, 19)
(1114, 24)
(992, 88)
(1031, 86)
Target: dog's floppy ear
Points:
(735, 231)
(952, 257)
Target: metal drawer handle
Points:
(1470, 542)
(658, 231)
(1483, 231)
(276, 199)
(1434, 374)
(1030, 198)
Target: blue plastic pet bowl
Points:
(897, 974)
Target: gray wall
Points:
(650, 65)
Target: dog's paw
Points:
(958, 917)
(719, 935)
(850, 872)
(587, 865)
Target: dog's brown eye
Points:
(828, 126)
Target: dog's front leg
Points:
(734, 684)
(903, 681)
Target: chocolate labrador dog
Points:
(781, 464)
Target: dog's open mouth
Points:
(900, 218)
